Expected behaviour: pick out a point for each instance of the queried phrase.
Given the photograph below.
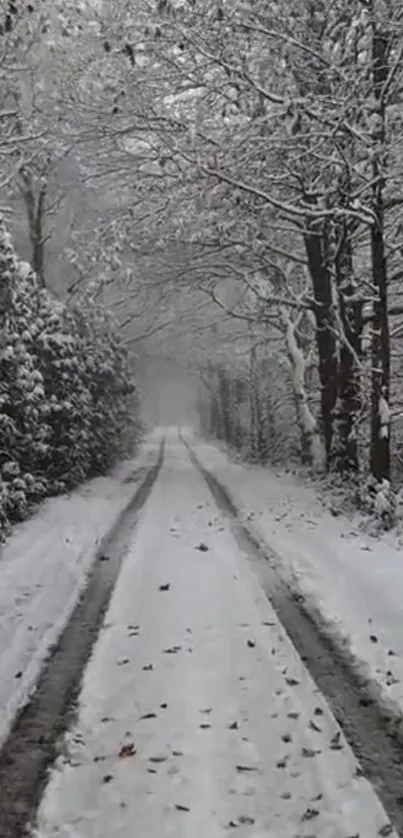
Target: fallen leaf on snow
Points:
(147, 716)
(234, 726)
(242, 768)
(181, 808)
(251, 644)
(123, 661)
(282, 763)
(202, 547)
(107, 778)
(148, 667)
(315, 727)
(385, 830)
(335, 743)
(309, 752)
(165, 587)
(157, 760)
(127, 750)
(309, 814)
(292, 682)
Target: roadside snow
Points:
(352, 583)
(196, 717)
(43, 567)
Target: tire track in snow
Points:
(33, 742)
(362, 720)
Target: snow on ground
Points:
(197, 718)
(352, 583)
(43, 567)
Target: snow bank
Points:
(43, 568)
(351, 582)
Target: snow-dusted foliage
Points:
(67, 397)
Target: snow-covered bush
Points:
(114, 413)
(378, 499)
(67, 397)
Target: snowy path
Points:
(44, 566)
(351, 582)
(196, 716)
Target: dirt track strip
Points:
(33, 742)
(364, 725)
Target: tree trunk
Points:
(380, 423)
(316, 245)
(380, 412)
(312, 450)
(238, 395)
(252, 405)
(345, 450)
(225, 405)
(36, 216)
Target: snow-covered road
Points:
(196, 717)
(44, 566)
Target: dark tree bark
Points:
(254, 407)
(316, 245)
(237, 429)
(345, 452)
(380, 430)
(35, 207)
(214, 414)
(224, 391)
